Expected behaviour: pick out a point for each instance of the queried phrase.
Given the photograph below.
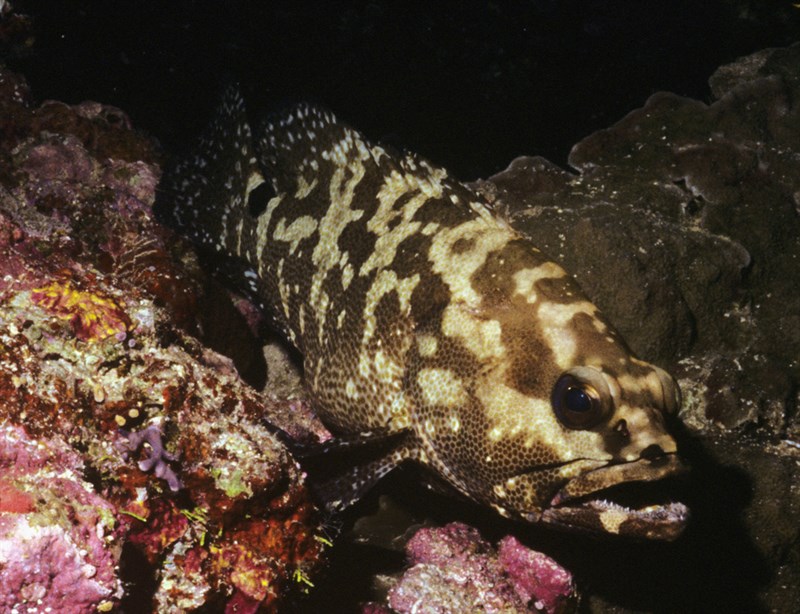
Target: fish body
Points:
(425, 319)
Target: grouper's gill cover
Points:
(427, 322)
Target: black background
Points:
(470, 85)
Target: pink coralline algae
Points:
(454, 570)
(58, 544)
(98, 317)
(536, 578)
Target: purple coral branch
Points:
(158, 457)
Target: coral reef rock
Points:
(452, 569)
(138, 470)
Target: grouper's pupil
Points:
(577, 400)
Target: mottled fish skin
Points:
(420, 312)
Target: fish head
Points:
(531, 403)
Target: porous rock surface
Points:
(682, 223)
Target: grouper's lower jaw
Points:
(661, 522)
(575, 507)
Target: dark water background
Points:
(470, 85)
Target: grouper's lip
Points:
(576, 507)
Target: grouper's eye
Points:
(581, 398)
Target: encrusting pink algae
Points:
(97, 353)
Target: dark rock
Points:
(681, 223)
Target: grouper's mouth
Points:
(580, 504)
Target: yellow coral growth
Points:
(93, 317)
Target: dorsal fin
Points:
(308, 142)
(205, 194)
(301, 141)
